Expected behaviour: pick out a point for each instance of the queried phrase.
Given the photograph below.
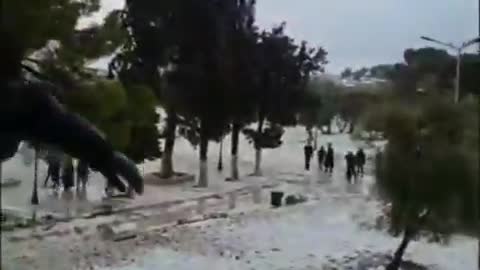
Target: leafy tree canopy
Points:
(426, 172)
(126, 116)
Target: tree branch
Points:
(36, 73)
(40, 76)
(35, 61)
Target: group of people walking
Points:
(326, 157)
(355, 163)
(64, 171)
(61, 171)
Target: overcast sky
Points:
(363, 33)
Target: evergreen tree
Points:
(239, 71)
(150, 45)
(284, 70)
(355, 103)
(198, 72)
(310, 112)
(44, 34)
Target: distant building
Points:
(365, 81)
(350, 83)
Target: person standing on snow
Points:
(82, 173)
(54, 160)
(321, 157)
(308, 151)
(360, 161)
(67, 174)
(53, 172)
(350, 159)
(329, 159)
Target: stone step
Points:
(118, 232)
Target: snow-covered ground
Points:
(335, 227)
(286, 159)
(299, 237)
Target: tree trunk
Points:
(203, 176)
(1, 165)
(258, 161)
(258, 150)
(167, 163)
(315, 140)
(477, 215)
(397, 257)
(34, 199)
(235, 141)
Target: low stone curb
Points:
(238, 191)
(154, 179)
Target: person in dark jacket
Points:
(56, 174)
(350, 159)
(329, 159)
(82, 173)
(321, 157)
(67, 175)
(308, 151)
(360, 161)
(53, 172)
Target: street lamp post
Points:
(459, 51)
(457, 76)
(34, 198)
(220, 154)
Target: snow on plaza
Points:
(334, 229)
